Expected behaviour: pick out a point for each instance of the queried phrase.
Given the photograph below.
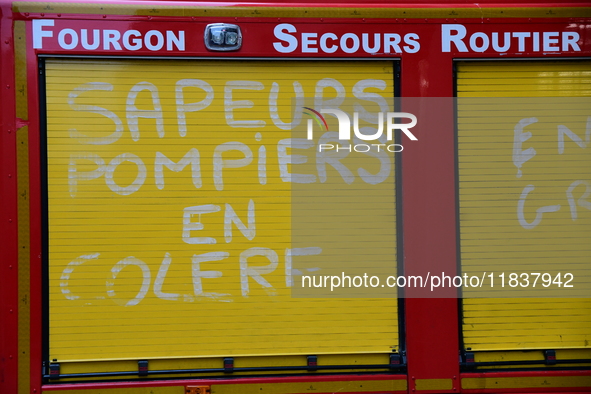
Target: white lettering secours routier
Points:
(455, 38)
(312, 42)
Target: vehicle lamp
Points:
(222, 37)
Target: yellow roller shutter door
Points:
(491, 185)
(164, 189)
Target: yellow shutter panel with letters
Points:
(169, 212)
(523, 198)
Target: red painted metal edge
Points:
(35, 212)
(524, 374)
(350, 3)
(295, 19)
(8, 214)
(428, 198)
(527, 374)
(552, 390)
(291, 379)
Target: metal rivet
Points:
(26, 14)
(104, 16)
(11, 311)
(413, 378)
(9, 220)
(10, 357)
(42, 14)
(59, 15)
(10, 266)
(10, 175)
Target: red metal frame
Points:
(206, 382)
(8, 214)
(35, 207)
(522, 374)
(432, 330)
(431, 323)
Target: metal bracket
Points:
(142, 368)
(312, 363)
(550, 357)
(468, 359)
(229, 364)
(395, 360)
(54, 371)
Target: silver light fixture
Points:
(223, 37)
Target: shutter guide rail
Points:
(399, 369)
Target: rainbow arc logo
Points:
(317, 116)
